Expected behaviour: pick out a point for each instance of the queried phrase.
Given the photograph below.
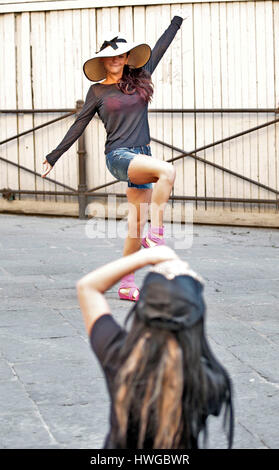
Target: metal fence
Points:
(83, 193)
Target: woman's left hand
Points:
(48, 169)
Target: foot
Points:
(126, 293)
(153, 238)
(128, 289)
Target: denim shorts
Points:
(118, 161)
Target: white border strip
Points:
(41, 5)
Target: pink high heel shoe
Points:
(151, 237)
(128, 282)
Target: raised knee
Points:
(169, 173)
(173, 172)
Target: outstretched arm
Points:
(76, 129)
(90, 288)
(162, 44)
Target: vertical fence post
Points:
(82, 186)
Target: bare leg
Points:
(139, 198)
(161, 194)
(144, 169)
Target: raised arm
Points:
(163, 43)
(76, 129)
(90, 288)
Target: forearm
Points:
(77, 128)
(163, 43)
(106, 276)
(72, 135)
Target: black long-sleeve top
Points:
(124, 116)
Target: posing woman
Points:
(162, 378)
(121, 101)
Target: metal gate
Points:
(83, 193)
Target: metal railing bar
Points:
(179, 198)
(39, 192)
(217, 142)
(103, 186)
(34, 111)
(226, 199)
(154, 110)
(21, 167)
(215, 110)
(226, 170)
(197, 198)
(36, 128)
(184, 154)
(215, 165)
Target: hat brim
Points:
(139, 55)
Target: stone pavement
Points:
(52, 391)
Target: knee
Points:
(169, 173)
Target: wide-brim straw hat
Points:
(139, 55)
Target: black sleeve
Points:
(162, 44)
(105, 332)
(76, 129)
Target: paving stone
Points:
(14, 397)
(53, 392)
(44, 370)
(25, 430)
(21, 348)
(74, 422)
(6, 372)
(70, 392)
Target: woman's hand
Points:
(48, 169)
(158, 254)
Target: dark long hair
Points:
(136, 79)
(167, 384)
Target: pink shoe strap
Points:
(131, 293)
(156, 240)
(128, 278)
(152, 235)
(128, 283)
(156, 230)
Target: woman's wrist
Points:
(50, 160)
(157, 254)
(178, 20)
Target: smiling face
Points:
(114, 65)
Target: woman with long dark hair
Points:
(162, 377)
(121, 101)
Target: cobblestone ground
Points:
(53, 394)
